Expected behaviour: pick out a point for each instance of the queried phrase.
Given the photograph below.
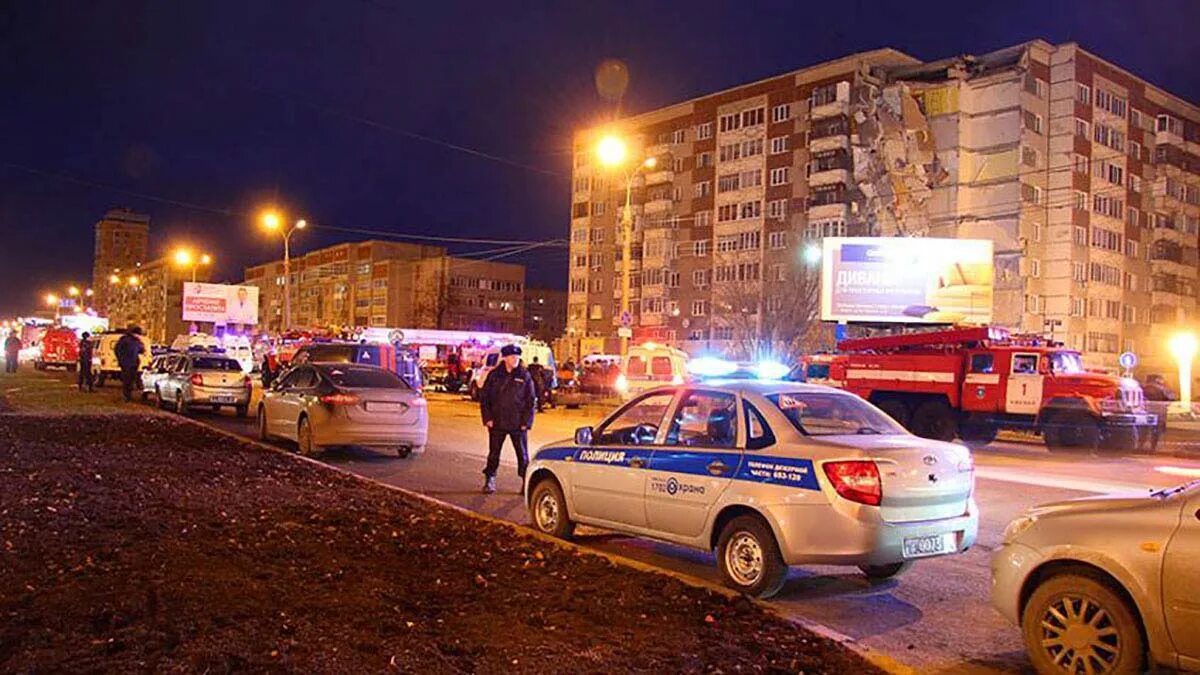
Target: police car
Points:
(767, 474)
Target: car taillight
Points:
(197, 379)
(857, 481)
(339, 399)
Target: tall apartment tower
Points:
(122, 241)
(1085, 177)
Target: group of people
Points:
(128, 350)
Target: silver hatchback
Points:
(767, 474)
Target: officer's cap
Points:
(510, 350)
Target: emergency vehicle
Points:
(973, 382)
(650, 365)
(60, 347)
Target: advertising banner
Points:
(906, 280)
(220, 303)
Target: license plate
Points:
(222, 399)
(384, 407)
(934, 544)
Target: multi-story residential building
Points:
(377, 283)
(1085, 177)
(150, 295)
(122, 241)
(545, 313)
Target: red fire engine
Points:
(972, 382)
(60, 347)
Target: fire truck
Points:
(973, 382)
(60, 347)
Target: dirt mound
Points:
(145, 543)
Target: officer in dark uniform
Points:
(86, 350)
(507, 401)
(129, 349)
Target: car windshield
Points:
(830, 414)
(214, 363)
(1066, 363)
(363, 377)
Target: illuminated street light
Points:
(1183, 347)
(133, 280)
(612, 151)
(272, 221)
(114, 279)
(73, 291)
(205, 259)
(89, 292)
(51, 299)
(812, 254)
(185, 258)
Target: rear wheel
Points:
(1121, 439)
(263, 434)
(1071, 432)
(548, 510)
(934, 419)
(1075, 623)
(896, 409)
(180, 406)
(977, 434)
(304, 438)
(243, 410)
(403, 451)
(749, 557)
(876, 573)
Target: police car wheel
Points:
(749, 558)
(548, 509)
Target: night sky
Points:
(220, 106)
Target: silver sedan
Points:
(328, 404)
(203, 379)
(1107, 584)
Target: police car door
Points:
(1024, 390)
(609, 477)
(695, 464)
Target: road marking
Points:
(1092, 485)
(1179, 471)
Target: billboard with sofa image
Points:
(906, 280)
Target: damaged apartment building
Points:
(1085, 177)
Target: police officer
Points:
(507, 401)
(85, 362)
(129, 350)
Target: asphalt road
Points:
(936, 617)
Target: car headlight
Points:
(1018, 526)
(622, 384)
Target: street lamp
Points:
(1183, 347)
(273, 222)
(184, 258)
(73, 291)
(612, 151)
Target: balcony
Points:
(829, 143)
(831, 109)
(659, 177)
(657, 206)
(829, 177)
(828, 211)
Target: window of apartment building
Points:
(1129, 314)
(1032, 121)
(777, 240)
(1131, 248)
(579, 285)
(1109, 206)
(1131, 281)
(1111, 102)
(1081, 128)
(700, 247)
(753, 117)
(676, 193)
(1106, 135)
(702, 218)
(699, 307)
(703, 188)
(700, 278)
(1078, 306)
(777, 208)
(598, 208)
(596, 312)
(751, 209)
(1104, 274)
(579, 210)
(752, 147)
(1031, 193)
(781, 112)
(1106, 239)
(1112, 309)
(1035, 304)
(677, 165)
(1135, 149)
(779, 145)
(1102, 342)
(778, 272)
(704, 131)
(583, 183)
(704, 159)
(752, 178)
(581, 261)
(730, 122)
(678, 136)
(1035, 86)
(723, 333)
(1081, 163)
(1135, 182)
(825, 228)
(1080, 236)
(1029, 156)
(729, 152)
(727, 212)
(1078, 271)
(595, 261)
(1133, 217)
(1083, 93)
(1169, 124)
(780, 175)
(823, 95)
(1035, 268)
(775, 303)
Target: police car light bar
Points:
(710, 366)
(771, 370)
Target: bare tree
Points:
(431, 289)
(772, 318)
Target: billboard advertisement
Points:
(906, 280)
(220, 303)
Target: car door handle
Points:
(637, 463)
(717, 467)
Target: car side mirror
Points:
(583, 436)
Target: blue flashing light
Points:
(771, 370)
(710, 366)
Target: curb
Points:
(884, 662)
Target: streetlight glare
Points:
(51, 299)
(205, 259)
(133, 280)
(114, 279)
(89, 293)
(1183, 345)
(650, 162)
(73, 291)
(812, 254)
(270, 220)
(611, 151)
(183, 257)
(301, 224)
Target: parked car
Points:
(530, 349)
(767, 474)
(399, 360)
(160, 366)
(204, 379)
(650, 365)
(1105, 584)
(326, 404)
(104, 356)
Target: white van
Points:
(105, 356)
(530, 349)
(650, 365)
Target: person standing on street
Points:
(537, 372)
(12, 352)
(506, 401)
(85, 362)
(129, 351)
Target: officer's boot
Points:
(489, 485)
